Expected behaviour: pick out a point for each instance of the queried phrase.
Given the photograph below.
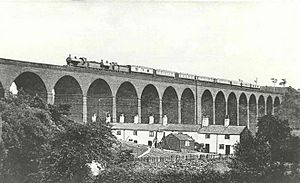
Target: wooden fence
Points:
(189, 157)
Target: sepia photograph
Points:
(149, 91)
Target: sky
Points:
(223, 39)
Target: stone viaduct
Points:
(91, 91)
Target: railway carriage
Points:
(223, 81)
(186, 76)
(141, 69)
(248, 85)
(206, 79)
(235, 83)
(165, 73)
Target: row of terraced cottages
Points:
(218, 139)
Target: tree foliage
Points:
(74, 148)
(26, 129)
(276, 133)
(289, 109)
(160, 175)
(41, 144)
(124, 155)
(263, 158)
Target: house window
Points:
(187, 143)
(134, 132)
(135, 141)
(221, 146)
(118, 132)
(227, 136)
(151, 134)
(207, 136)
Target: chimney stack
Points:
(136, 119)
(151, 119)
(122, 118)
(226, 121)
(165, 120)
(205, 121)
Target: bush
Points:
(140, 172)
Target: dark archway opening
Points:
(232, 109)
(243, 118)
(269, 105)
(170, 105)
(252, 114)
(127, 102)
(31, 84)
(207, 106)
(99, 100)
(1, 91)
(150, 104)
(261, 106)
(220, 104)
(276, 104)
(68, 91)
(187, 107)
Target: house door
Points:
(207, 148)
(227, 150)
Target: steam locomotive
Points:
(114, 66)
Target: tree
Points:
(289, 109)
(262, 158)
(74, 148)
(276, 133)
(26, 129)
(250, 161)
(41, 144)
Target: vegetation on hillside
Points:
(289, 109)
(40, 144)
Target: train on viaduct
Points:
(182, 100)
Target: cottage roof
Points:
(156, 127)
(134, 126)
(221, 129)
(181, 136)
(182, 127)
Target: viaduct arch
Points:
(220, 112)
(232, 108)
(207, 106)
(276, 104)
(252, 113)
(261, 106)
(187, 107)
(170, 105)
(1, 90)
(150, 104)
(127, 101)
(269, 105)
(99, 99)
(68, 91)
(243, 112)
